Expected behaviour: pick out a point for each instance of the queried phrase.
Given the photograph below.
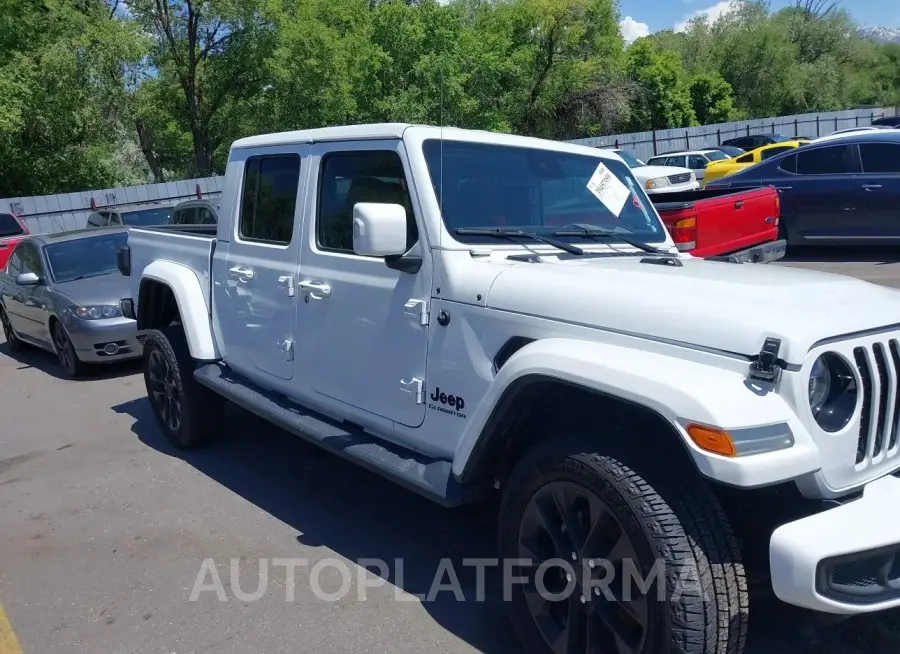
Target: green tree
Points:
(665, 99)
(712, 98)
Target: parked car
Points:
(143, 215)
(888, 121)
(475, 315)
(12, 230)
(61, 292)
(841, 191)
(738, 224)
(719, 169)
(695, 160)
(195, 212)
(850, 130)
(753, 141)
(659, 179)
(731, 150)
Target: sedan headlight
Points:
(832, 392)
(97, 312)
(657, 182)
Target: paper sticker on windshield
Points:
(608, 189)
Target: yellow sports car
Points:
(719, 169)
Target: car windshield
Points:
(90, 256)
(716, 155)
(148, 217)
(536, 190)
(630, 160)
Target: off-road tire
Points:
(12, 341)
(671, 515)
(200, 408)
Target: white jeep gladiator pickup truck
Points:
(469, 313)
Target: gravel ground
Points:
(104, 528)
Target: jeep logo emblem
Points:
(450, 400)
(452, 404)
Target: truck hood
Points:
(710, 304)
(643, 173)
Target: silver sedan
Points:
(61, 292)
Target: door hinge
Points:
(417, 310)
(415, 387)
(287, 346)
(286, 282)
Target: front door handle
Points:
(242, 273)
(315, 288)
(870, 187)
(784, 188)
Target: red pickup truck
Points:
(12, 230)
(733, 224)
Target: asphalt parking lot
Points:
(104, 529)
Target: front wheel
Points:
(616, 561)
(12, 341)
(69, 363)
(188, 413)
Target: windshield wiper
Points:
(588, 231)
(502, 232)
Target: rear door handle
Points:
(739, 204)
(242, 273)
(870, 187)
(315, 288)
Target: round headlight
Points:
(832, 392)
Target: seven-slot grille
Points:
(680, 178)
(879, 372)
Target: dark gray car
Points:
(61, 293)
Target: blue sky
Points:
(641, 17)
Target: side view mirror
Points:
(27, 279)
(379, 230)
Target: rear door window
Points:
(269, 198)
(880, 157)
(696, 161)
(9, 226)
(833, 160)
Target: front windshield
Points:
(84, 257)
(630, 159)
(716, 155)
(148, 217)
(778, 138)
(500, 186)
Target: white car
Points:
(659, 179)
(472, 314)
(695, 160)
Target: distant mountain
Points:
(881, 34)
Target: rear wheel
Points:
(188, 413)
(12, 341)
(69, 362)
(620, 561)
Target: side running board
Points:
(432, 478)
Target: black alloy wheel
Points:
(165, 395)
(65, 351)
(12, 341)
(575, 542)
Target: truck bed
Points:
(189, 245)
(715, 222)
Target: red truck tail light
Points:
(684, 233)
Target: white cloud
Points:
(712, 14)
(632, 29)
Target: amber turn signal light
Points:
(717, 441)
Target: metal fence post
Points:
(653, 135)
(818, 133)
(687, 139)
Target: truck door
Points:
(363, 323)
(255, 264)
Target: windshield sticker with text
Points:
(608, 189)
